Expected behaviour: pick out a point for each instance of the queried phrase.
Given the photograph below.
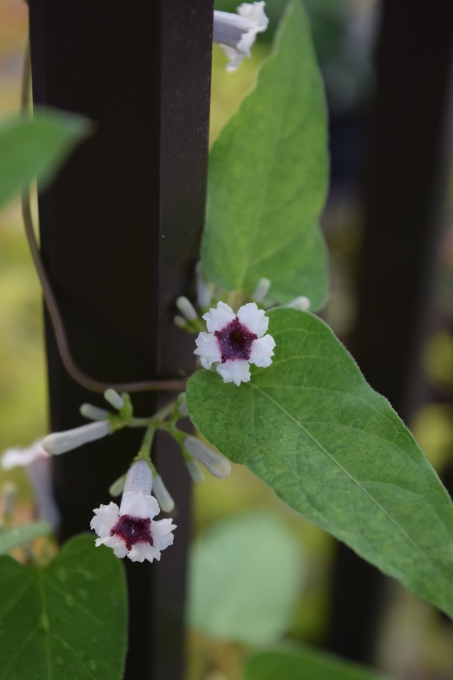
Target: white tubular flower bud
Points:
(182, 409)
(218, 465)
(236, 33)
(60, 442)
(116, 489)
(203, 287)
(40, 475)
(301, 303)
(160, 491)
(261, 290)
(8, 493)
(195, 471)
(180, 321)
(114, 398)
(186, 308)
(93, 412)
(139, 478)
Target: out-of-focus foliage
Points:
(245, 577)
(12, 538)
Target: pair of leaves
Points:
(294, 663)
(334, 449)
(268, 178)
(35, 147)
(66, 620)
(245, 576)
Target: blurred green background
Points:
(414, 642)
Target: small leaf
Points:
(35, 147)
(268, 178)
(331, 447)
(301, 661)
(67, 620)
(245, 576)
(21, 535)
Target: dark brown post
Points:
(120, 229)
(407, 170)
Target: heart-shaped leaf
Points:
(268, 178)
(66, 620)
(329, 445)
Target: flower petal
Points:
(117, 544)
(23, 457)
(218, 318)
(105, 518)
(234, 371)
(143, 551)
(139, 505)
(207, 349)
(161, 531)
(253, 318)
(262, 351)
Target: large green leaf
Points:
(245, 576)
(12, 538)
(31, 148)
(295, 663)
(313, 429)
(268, 178)
(67, 620)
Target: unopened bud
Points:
(195, 471)
(203, 287)
(116, 489)
(114, 398)
(186, 308)
(182, 408)
(180, 321)
(261, 290)
(164, 499)
(218, 465)
(93, 412)
(301, 303)
(60, 442)
(8, 492)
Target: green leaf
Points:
(35, 147)
(13, 538)
(331, 447)
(245, 576)
(67, 620)
(294, 663)
(268, 178)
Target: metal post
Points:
(407, 169)
(119, 232)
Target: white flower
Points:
(37, 463)
(235, 341)
(23, 457)
(236, 33)
(130, 529)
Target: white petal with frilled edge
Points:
(161, 531)
(236, 33)
(23, 457)
(262, 351)
(253, 318)
(143, 551)
(105, 518)
(218, 318)
(234, 371)
(207, 349)
(115, 542)
(139, 505)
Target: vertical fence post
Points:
(407, 170)
(120, 229)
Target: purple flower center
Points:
(235, 341)
(133, 530)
